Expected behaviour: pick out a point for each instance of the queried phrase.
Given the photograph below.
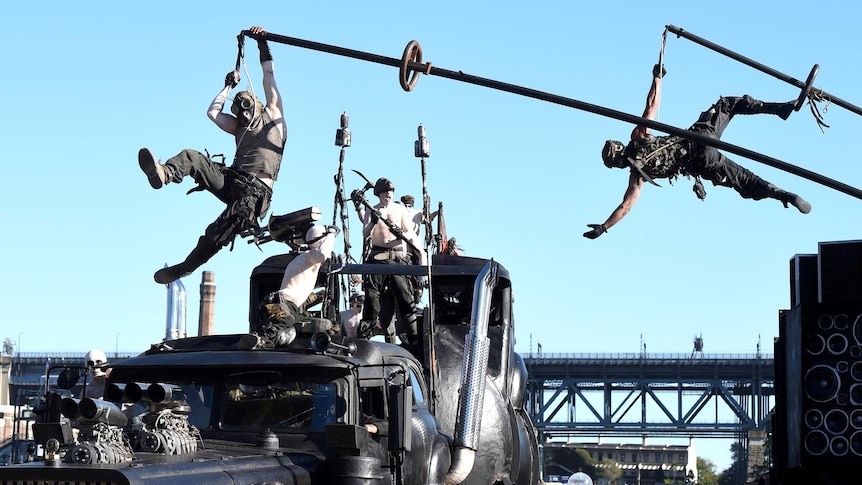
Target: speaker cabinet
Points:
(840, 271)
(819, 365)
(803, 279)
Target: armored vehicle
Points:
(241, 409)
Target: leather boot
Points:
(167, 275)
(156, 173)
(365, 330)
(790, 198)
(199, 255)
(782, 110)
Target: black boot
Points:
(201, 253)
(790, 198)
(782, 110)
(798, 202)
(365, 330)
(167, 275)
(156, 173)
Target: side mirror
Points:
(400, 414)
(68, 377)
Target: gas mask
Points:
(245, 106)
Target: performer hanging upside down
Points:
(649, 157)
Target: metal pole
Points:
(760, 67)
(571, 103)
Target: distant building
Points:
(640, 464)
(5, 372)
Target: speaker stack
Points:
(819, 362)
(831, 383)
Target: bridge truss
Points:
(636, 395)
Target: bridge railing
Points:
(636, 356)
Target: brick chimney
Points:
(206, 317)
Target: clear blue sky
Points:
(88, 84)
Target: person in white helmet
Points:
(94, 360)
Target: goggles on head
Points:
(613, 154)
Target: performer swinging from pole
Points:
(411, 64)
(650, 157)
(245, 186)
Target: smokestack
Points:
(207, 313)
(176, 319)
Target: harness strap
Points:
(638, 164)
(262, 193)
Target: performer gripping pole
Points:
(807, 90)
(409, 64)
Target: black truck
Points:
(227, 409)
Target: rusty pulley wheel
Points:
(407, 76)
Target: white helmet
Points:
(94, 359)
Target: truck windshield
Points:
(188, 397)
(291, 406)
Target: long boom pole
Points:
(760, 67)
(428, 69)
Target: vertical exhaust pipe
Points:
(473, 378)
(176, 318)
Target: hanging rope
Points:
(661, 52)
(661, 64)
(240, 60)
(815, 96)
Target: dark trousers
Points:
(711, 164)
(398, 288)
(247, 200)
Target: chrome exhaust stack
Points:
(473, 378)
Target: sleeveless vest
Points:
(259, 149)
(658, 156)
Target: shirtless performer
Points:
(350, 318)
(299, 280)
(387, 248)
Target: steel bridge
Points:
(640, 394)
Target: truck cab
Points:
(234, 409)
